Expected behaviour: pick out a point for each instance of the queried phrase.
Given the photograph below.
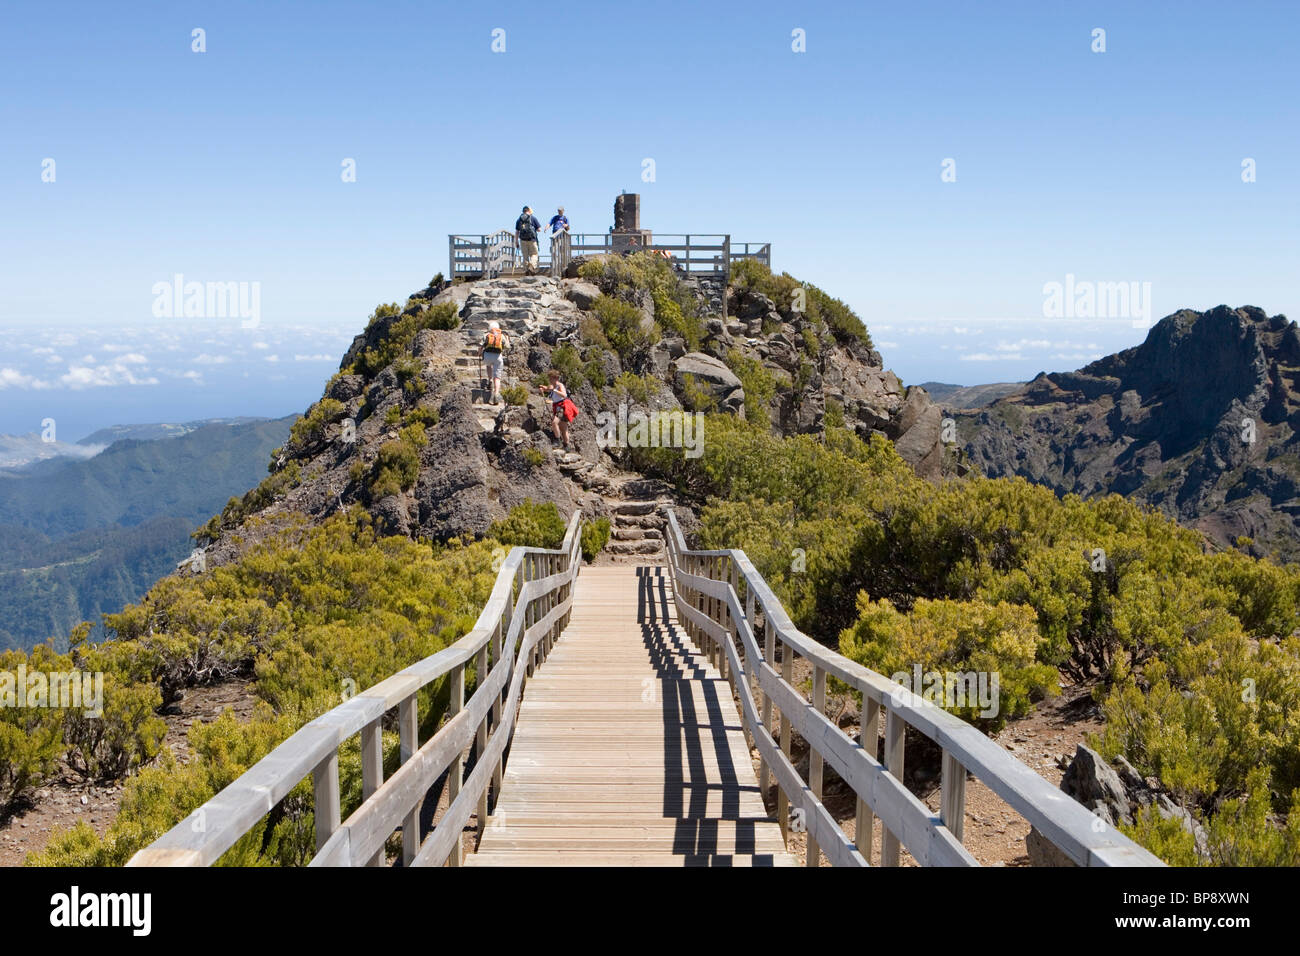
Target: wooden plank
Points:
(628, 746)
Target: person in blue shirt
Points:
(559, 222)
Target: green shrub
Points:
(595, 534)
(397, 465)
(636, 387)
(534, 457)
(622, 325)
(31, 738)
(311, 428)
(423, 415)
(408, 370)
(568, 363)
(758, 382)
(956, 636)
(401, 333)
(640, 270)
(698, 398)
(514, 395)
(533, 524)
(834, 417)
(820, 308)
(238, 509)
(315, 608)
(679, 318)
(393, 416)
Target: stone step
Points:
(645, 488)
(640, 521)
(633, 547)
(620, 533)
(636, 507)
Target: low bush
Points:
(533, 524)
(595, 535)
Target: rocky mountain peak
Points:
(405, 428)
(1200, 421)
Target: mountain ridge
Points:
(1201, 421)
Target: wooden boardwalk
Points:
(629, 749)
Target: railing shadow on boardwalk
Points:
(679, 668)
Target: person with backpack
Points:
(563, 410)
(491, 353)
(526, 231)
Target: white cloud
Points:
(85, 376)
(12, 378)
(134, 358)
(986, 357)
(260, 345)
(206, 359)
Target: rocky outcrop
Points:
(1200, 421)
(1115, 795)
(479, 460)
(719, 381)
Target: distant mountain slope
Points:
(968, 396)
(1200, 421)
(155, 430)
(132, 481)
(78, 538)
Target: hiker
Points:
(526, 229)
(563, 410)
(491, 353)
(559, 222)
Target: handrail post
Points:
(895, 735)
(325, 790)
(769, 655)
(870, 737)
(372, 769)
(481, 737)
(953, 789)
(782, 802)
(456, 773)
(408, 723)
(498, 634)
(815, 758)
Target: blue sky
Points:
(1122, 166)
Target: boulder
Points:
(711, 374)
(346, 387)
(581, 293)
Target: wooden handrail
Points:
(706, 586)
(529, 606)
